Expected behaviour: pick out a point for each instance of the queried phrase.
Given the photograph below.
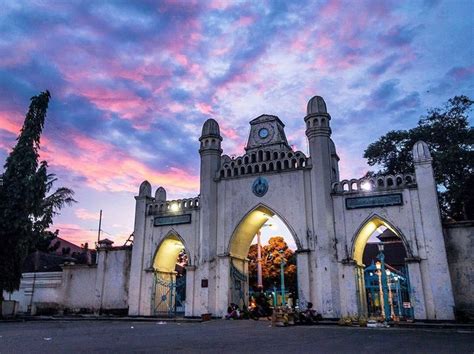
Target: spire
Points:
(210, 137)
(145, 189)
(421, 152)
(317, 118)
(160, 194)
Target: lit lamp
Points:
(174, 207)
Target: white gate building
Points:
(330, 221)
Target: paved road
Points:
(223, 336)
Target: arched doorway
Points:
(262, 219)
(382, 277)
(169, 269)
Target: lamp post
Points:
(390, 296)
(259, 258)
(282, 277)
(274, 296)
(380, 264)
(259, 262)
(399, 300)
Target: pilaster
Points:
(435, 271)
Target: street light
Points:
(380, 265)
(390, 295)
(259, 257)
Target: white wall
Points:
(79, 287)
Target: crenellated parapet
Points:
(262, 161)
(173, 206)
(159, 204)
(374, 184)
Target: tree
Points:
(27, 207)
(271, 260)
(451, 140)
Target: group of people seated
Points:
(261, 308)
(309, 316)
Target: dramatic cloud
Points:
(132, 83)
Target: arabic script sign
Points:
(374, 201)
(172, 220)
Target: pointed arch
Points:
(366, 229)
(167, 251)
(248, 226)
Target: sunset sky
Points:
(133, 81)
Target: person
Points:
(233, 312)
(291, 300)
(309, 316)
(262, 307)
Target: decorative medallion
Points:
(260, 187)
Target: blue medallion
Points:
(260, 187)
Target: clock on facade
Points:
(263, 133)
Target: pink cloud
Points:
(229, 133)
(107, 169)
(219, 4)
(245, 21)
(204, 108)
(10, 122)
(75, 233)
(84, 214)
(461, 73)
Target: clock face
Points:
(263, 133)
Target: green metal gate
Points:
(169, 294)
(238, 286)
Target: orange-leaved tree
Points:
(271, 264)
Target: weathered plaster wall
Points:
(47, 290)
(459, 239)
(79, 287)
(113, 278)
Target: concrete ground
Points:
(219, 336)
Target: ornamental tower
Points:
(323, 172)
(210, 152)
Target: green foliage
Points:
(27, 207)
(450, 138)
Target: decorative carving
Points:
(260, 187)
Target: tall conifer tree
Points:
(26, 211)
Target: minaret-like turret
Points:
(438, 286)
(323, 172)
(137, 273)
(210, 152)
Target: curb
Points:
(100, 318)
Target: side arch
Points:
(366, 229)
(167, 251)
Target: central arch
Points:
(249, 225)
(239, 245)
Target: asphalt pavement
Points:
(221, 336)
